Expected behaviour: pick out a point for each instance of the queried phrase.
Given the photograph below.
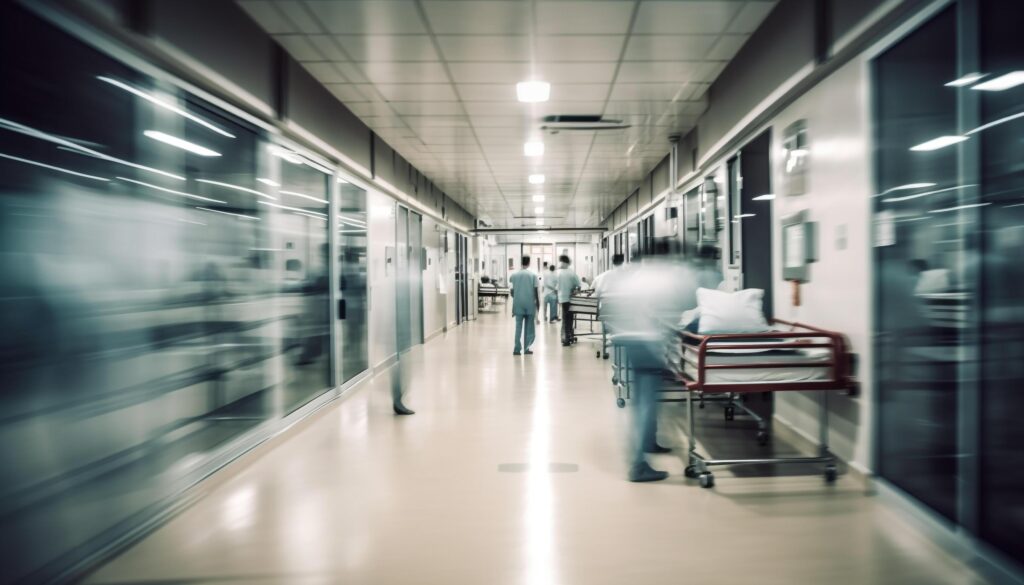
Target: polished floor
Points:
(512, 471)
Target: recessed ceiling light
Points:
(533, 91)
(538, 210)
(536, 179)
(966, 80)
(533, 149)
(1003, 82)
(538, 198)
(937, 143)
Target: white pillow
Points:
(731, 312)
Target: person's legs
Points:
(553, 307)
(566, 324)
(519, 333)
(398, 380)
(647, 372)
(530, 333)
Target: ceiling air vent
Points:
(555, 124)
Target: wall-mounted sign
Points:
(796, 158)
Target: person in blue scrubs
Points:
(567, 283)
(525, 306)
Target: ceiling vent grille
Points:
(585, 123)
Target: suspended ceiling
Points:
(436, 80)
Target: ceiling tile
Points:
(727, 47)
(325, 71)
(427, 108)
(347, 92)
(391, 72)
(268, 17)
(583, 18)
(579, 48)
(750, 17)
(673, 18)
(432, 92)
(669, 47)
(576, 72)
(651, 91)
(485, 120)
(299, 47)
(485, 47)
(665, 71)
(367, 16)
(328, 46)
(300, 17)
(486, 92)
(389, 47)
(479, 16)
(493, 72)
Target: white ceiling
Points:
(436, 80)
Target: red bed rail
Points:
(790, 339)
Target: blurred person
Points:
(551, 294)
(525, 306)
(584, 284)
(399, 381)
(645, 309)
(567, 283)
(604, 280)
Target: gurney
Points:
(585, 309)
(493, 293)
(791, 357)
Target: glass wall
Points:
(353, 308)
(165, 292)
(949, 114)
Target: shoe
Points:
(657, 449)
(401, 409)
(516, 353)
(528, 352)
(642, 472)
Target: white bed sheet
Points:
(761, 375)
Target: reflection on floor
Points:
(512, 471)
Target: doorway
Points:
(409, 278)
(755, 217)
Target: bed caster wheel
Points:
(701, 406)
(707, 480)
(606, 356)
(621, 402)
(830, 474)
(762, 438)
(691, 472)
(730, 413)
(615, 379)
(598, 354)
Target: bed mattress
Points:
(755, 376)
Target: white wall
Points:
(382, 282)
(838, 198)
(435, 304)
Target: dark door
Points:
(755, 217)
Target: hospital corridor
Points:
(531, 292)
(511, 472)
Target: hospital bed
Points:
(790, 357)
(586, 309)
(492, 293)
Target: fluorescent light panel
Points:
(167, 106)
(533, 91)
(538, 210)
(937, 143)
(533, 148)
(51, 167)
(1002, 83)
(269, 182)
(536, 179)
(180, 143)
(538, 198)
(236, 188)
(304, 196)
(765, 197)
(966, 79)
(166, 190)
